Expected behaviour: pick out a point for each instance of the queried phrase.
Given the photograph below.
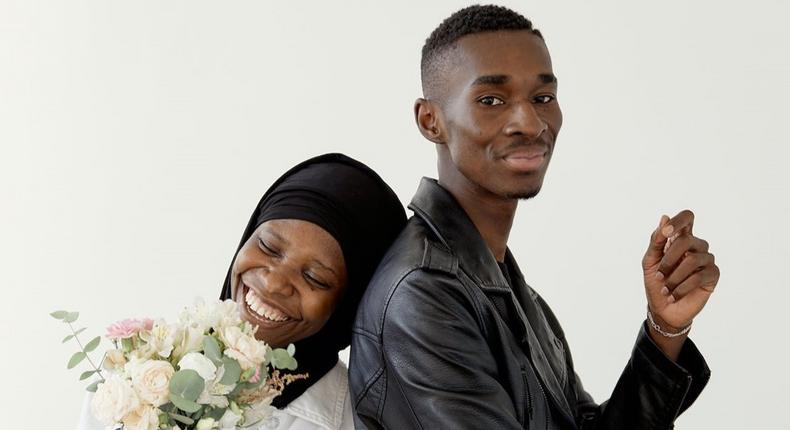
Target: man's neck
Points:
(492, 215)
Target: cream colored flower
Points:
(114, 398)
(114, 360)
(200, 364)
(206, 424)
(146, 417)
(187, 339)
(159, 340)
(151, 380)
(245, 349)
(229, 420)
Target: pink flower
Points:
(257, 376)
(128, 328)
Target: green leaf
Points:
(86, 375)
(187, 385)
(182, 419)
(71, 317)
(80, 331)
(127, 344)
(282, 360)
(93, 344)
(76, 359)
(92, 387)
(185, 405)
(67, 338)
(291, 349)
(59, 315)
(232, 371)
(211, 350)
(216, 413)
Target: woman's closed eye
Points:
(268, 249)
(315, 280)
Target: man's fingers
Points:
(678, 250)
(692, 262)
(679, 224)
(657, 241)
(706, 278)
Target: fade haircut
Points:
(470, 20)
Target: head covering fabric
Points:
(359, 210)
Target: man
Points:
(449, 335)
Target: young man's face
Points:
(500, 115)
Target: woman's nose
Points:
(278, 281)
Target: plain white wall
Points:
(138, 135)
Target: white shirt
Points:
(326, 405)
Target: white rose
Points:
(146, 417)
(151, 380)
(200, 364)
(114, 398)
(245, 349)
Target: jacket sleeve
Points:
(439, 368)
(651, 392)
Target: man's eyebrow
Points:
(545, 78)
(491, 80)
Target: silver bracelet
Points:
(657, 328)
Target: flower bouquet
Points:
(207, 371)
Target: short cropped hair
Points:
(470, 20)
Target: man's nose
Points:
(524, 120)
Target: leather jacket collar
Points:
(452, 225)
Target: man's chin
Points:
(523, 194)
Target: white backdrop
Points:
(137, 137)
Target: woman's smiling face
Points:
(288, 279)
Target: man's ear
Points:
(428, 117)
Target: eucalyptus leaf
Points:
(59, 315)
(216, 413)
(211, 350)
(80, 331)
(187, 385)
(291, 349)
(87, 374)
(93, 344)
(232, 371)
(182, 419)
(71, 317)
(282, 360)
(67, 338)
(127, 344)
(92, 387)
(76, 359)
(185, 405)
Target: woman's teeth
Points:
(263, 310)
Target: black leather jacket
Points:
(441, 342)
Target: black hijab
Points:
(353, 204)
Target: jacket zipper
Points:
(545, 403)
(528, 396)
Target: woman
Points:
(303, 263)
(304, 260)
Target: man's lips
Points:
(526, 159)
